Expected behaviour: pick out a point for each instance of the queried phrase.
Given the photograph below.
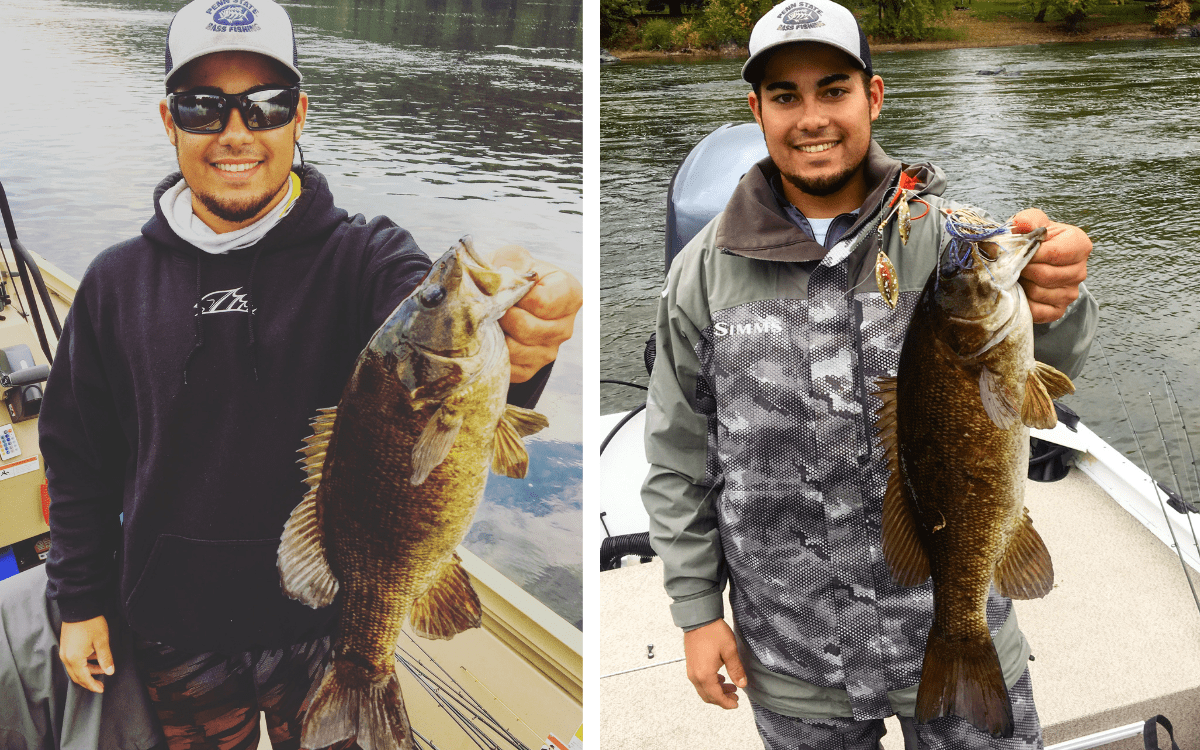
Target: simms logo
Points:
(743, 329)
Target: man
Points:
(760, 431)
(192, 360)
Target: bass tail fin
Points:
(963, 678)
(348, 705)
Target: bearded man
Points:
(764, 472)
(190, 364)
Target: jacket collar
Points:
(754, 225)
(313, 214)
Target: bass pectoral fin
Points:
(1025, 571)
(526, 421)
(509, 457)
(434, 443)
(902, 548)
(1037, 410)
(1043, 385)
(998, 401)
(450, 606)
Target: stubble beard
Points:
(234, 211)
(823, 186)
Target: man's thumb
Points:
(733, 665)
(103, 655)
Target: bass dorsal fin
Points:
(303, 563)
(902, 549)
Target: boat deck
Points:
(1116, 642)
(524, 667)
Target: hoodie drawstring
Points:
(199, 327)
(251, 310)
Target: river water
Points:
(1101, 135)
(450, 116)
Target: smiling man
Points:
(760, 418)
(190, 364)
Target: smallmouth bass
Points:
(955, 428)
(396, 472)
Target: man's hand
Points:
(706, 649)
(1052, 278)
(83, 648)
(544, 318)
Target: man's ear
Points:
(168, 124)
(301, 114)
(755, 107)
(875, 94)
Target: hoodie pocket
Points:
(201, 592)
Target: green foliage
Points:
(731, 20)
(686, 35)
(904, 20)
(1071, 12)
(1172, 16)
(656, 34)
(615, 16)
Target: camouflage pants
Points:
(945, 733)
(211, 701)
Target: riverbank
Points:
(979, 26)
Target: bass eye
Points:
(432, 296)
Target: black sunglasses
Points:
(206, 113)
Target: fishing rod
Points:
(1187, 437)
(27, 269)
(467, 712)
(450, 685)
(1153, 486)
(1171, 463)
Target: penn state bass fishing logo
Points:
(232, 15)
(800, 16)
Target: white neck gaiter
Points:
(176, 204)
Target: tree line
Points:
(715, 23)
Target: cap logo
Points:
(800, 16)
(232, 15)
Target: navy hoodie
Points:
(189, 423)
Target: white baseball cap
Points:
(791, 21)
(203, 27)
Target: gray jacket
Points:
(764, 467)
(40, 708)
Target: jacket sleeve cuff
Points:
(696, 611)
(527, 394)
(81, 607)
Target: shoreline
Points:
(979, 34)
